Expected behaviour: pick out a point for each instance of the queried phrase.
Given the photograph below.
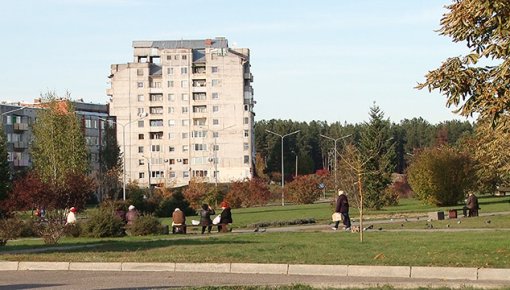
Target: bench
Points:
(182, 229)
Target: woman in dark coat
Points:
(226, 215)
(205, 217)
(342, 206)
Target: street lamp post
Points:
(123, 126)
(283, 180)
(149, 171)
(334, 141)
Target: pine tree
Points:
(377, 146)
(111, 164)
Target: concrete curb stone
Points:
(248, 268)
(449, 273)
(90, 266)
(379, 271)
(149, 267)
(9, 266)
(44, 266)
(485, 274)
(326, 270)
(203, 267)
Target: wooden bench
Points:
(182, 229)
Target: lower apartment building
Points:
(184, 109)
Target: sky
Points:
(327, 60)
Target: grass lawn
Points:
(459, 249)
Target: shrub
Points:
(248, 193)
(10, 229)
(441, 176)
(52, 227)
(304, 189)
(145, 225)
(104, 223)
(73, 230)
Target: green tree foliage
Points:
(441, 175)
(59, 146)
(378, 147)
(110, 164)
(469, 86)
(489, 147)
(304, 189)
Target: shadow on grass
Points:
(119, 245)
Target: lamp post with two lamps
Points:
(283, 180)
(336, 161)
(123, 126)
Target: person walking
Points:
(225, 217)
(205, 217)
(131, 215)
(342, 207)
(71, 216)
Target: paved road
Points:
(166, 280)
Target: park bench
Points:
(183, 230)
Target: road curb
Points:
(413, 272)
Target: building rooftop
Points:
(218, 42)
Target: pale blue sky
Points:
(311, 60)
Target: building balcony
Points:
(20, 163)
(20, 127)
(199, 89)
(109, 92)
(248, 76)
(20, 145)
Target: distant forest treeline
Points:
(315, 152)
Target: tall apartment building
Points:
(184, 109)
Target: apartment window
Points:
(140, 124)
(171, 149)
(156, 123)
(214, 69)
(199, 122)
(140, 98)
(140, 111)
(156, 110)
(185, 97)
(169, 57)
(171, 97)
(170, 84)
(140, 136)
(246, 133)
(140, 149)
(185, 161)
(171, 135)
(155, 148)
(185, 174)
(200, 147)
(199, 173)
(141, 175)
(215, 96)
(185, 148)
(216, 147)
(157, 174)
(184, 70)
(185, 122)
(184, 110)
(216, 134)
(199, 96)
(215, 122)
(184, 135)
(184, 57)
(246, 146)
(215, 108)
(156, 135)
(155, 84)
(246, 159)
(199, 109)
(171, 123)
(199, 134)
(170, 70)
(171, 110)
(215, 83)
(246, 120)
(171, 174)
(139, 84)
(141, 161)
(184, 84)
(176, 57)
(156, 97)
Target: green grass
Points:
(485, 222)
(459, 249)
